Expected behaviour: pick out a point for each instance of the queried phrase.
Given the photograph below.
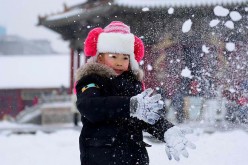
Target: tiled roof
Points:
(76, 11)
(174, 3)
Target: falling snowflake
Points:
(141, 62)
(187, 26)
(214, 22)
(230, 46)
(149, 67)
(170, 10)
(205, 49)
(229, 24)
(145, 9)
(235, 16)
(186, 72)
(221, 11)
(232, 90)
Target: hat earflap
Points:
(139, 49)
(90, 44)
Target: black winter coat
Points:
(105, 108)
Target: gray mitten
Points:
(146, 107)
(176, 142)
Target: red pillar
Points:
(78, 58)
(71, 71)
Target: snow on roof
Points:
(76, 12)
(70, 13)
(32, 71)
(174, 3)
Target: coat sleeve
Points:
(158, 129)
(97, 108)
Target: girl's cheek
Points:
(127, 67)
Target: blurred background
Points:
(196, 58)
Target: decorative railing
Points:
(29, 112)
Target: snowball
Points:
(229, 24)
(230, 46)
(186, 72)
(214, 22)
(221, 11)
(187, 26)
(235, 16)
(145, 9)
(205, 49)
(170, 10)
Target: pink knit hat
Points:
(115, 38)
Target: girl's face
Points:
(118, 62)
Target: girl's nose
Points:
(118, 64)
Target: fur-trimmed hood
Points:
(103, 70)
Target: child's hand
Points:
(146, 107)
(176, 142)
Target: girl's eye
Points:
(112, 56)
(126, 58)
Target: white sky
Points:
(20, 17)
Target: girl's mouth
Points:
(118, 71)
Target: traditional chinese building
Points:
(179, 36)
(27, 79)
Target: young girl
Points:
(114, 110)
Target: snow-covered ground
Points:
(61, 147)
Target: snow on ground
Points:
(221, 148)
(61, 147)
